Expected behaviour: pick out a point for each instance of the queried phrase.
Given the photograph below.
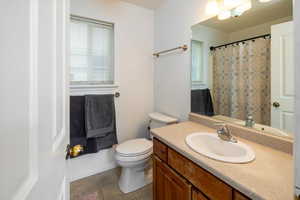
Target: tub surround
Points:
(269, 176)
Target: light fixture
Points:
(229, 4)
(225, 9)
(238, 11)
(212, 7)
(224, 14)
(264, 1)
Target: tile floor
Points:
(104, 186)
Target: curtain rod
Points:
(261, 36)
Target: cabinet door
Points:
(167, 184)
(238, 196)
(196, 195)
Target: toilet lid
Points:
(134, 147)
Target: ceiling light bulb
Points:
(229, 3)
(264, 1)
(242, 8)
(224, 14)
(212, 7)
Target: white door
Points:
(33, 99)
(282, 77)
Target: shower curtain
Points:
(241, 80)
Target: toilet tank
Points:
(158, 120)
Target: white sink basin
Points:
(210, 145)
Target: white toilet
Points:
(134, 155)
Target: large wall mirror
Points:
(242, 68)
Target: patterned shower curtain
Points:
(241, 80)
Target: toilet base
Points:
(132, 179)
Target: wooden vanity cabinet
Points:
(176, 177)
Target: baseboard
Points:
(90, 164)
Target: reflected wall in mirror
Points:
(242, 68)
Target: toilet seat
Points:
(135, 148)
(133, 158)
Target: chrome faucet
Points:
(224, 133)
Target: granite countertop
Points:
(268, 177)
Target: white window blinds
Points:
(91, 52)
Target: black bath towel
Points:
(99, 115)
(100, 122)
(78, 133)
(96, 144)
(201, 102)
(77, 123)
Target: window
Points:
(197, 63)
(92, 57)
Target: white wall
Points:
(134, 33)
(173, 21)
(258, 30)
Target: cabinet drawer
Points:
(160, 150)
(208, 184)
(238, 196)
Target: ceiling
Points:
(151, 4)
(260, 13)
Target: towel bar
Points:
(117, 94)
(184, 48)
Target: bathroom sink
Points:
(210, 145)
